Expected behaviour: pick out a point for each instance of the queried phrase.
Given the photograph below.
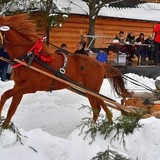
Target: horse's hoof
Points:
(109, 117)
(5, 125)
(92, 123)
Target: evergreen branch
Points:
(122, 126)
(109, 155)
(13, 129)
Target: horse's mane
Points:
(21, 23)
(24, 25)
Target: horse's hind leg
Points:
(96, 107)
(105, 108)
(5, 96)
(14, 104)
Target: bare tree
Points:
(96, 5)
(51, 14)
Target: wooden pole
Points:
(109, 102)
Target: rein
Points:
(133, 81)
(34, 54)
(3, 39)
(34, 51)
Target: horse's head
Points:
(17, 34)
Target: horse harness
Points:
(34, 54)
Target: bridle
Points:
(33, 51)
(3, 39)
(2, 36)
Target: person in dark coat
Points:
(150, 47)
(81, 48)
(130, 48)
(130, 38)
(3, 65)
(141, 50)
(63, 49)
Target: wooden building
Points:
(108, 24)
(105, 29)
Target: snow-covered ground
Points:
(48, 124)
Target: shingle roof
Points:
(126, 3)
(147, 11)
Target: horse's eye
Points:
(4, 28)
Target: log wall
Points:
(76, 25)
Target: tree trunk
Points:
(92, 20)
(91, 32)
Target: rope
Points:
(138, 83)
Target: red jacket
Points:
(157, 33)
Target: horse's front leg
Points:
(12, 109)
(5, 96)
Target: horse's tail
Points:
(117, 81)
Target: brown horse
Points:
(20, 38)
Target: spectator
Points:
(3, 65)
(150, 47)
(140, 39)
(63, 49)
(81, 48)
(130, 38)
(141, 50)
(120, 37)
(102, 56)
(130, 49)
(118, 43)
(156, 30)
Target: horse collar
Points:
(62, 70)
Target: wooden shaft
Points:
(109, 102)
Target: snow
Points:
(147, 11)
(48, 124)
